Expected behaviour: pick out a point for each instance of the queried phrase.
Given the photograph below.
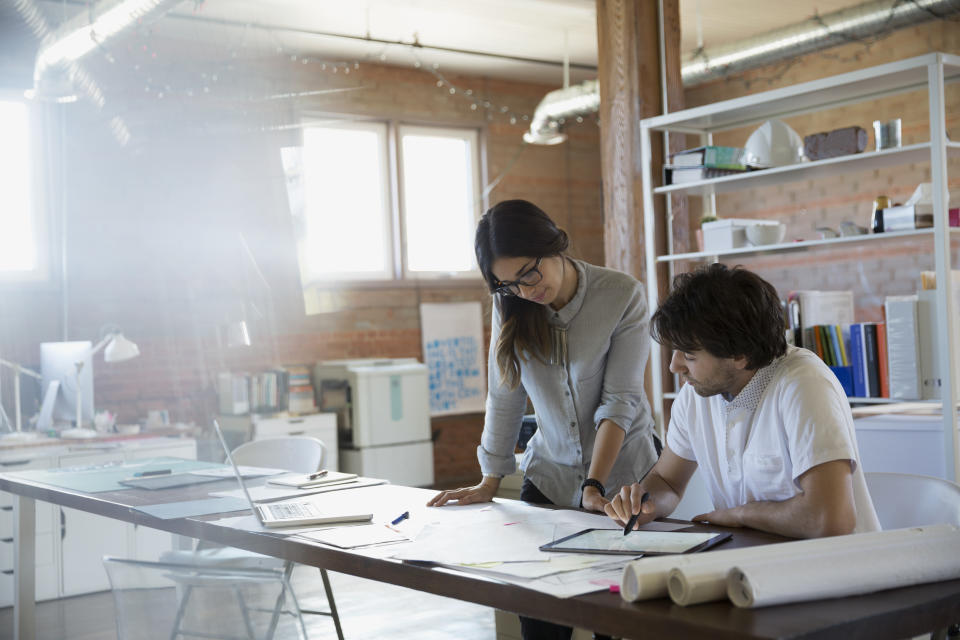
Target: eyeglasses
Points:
(529, 278)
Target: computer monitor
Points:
(58, 362)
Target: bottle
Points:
(876, 220)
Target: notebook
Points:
(306, 481)
(286, 514)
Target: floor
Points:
(368, 610)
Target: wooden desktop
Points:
(896, 613)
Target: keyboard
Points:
(291, 510)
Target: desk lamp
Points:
(118, 349)
(17, 370)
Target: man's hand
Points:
(722, 517)
(629, 502)
(592, 500)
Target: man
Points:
(768, 425)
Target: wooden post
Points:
(628, 37)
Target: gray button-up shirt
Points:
(602, 378)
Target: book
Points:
(882, 356)
(304, 481)
(712, 156)
(903, 357)
(858, 361)
(682, 175)
(836, 349)
(824, 307)
(873, 364)
(843, 337)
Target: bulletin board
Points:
(452, 336)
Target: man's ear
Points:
(740, 362)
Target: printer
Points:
(383, 416)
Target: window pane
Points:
(18, 249)
(344, 188)
(438, 198)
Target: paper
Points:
(190, 508)
(454, 355)
(270, 493)
(303, 481)
(99, 478)
(840, 573)
(636, 541)
(647, 578)
(245, 471)
(355, 537)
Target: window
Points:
(382, 202)
(440, 190)
(20, 223)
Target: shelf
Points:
(826, 93)
(673, 396)
(811, 170)
(799, 246)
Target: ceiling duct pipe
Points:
(557, 105)
(820, 32)
(55, 70)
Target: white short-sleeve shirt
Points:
(790, 417)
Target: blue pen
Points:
(400, 518)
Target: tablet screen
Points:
(636, 542)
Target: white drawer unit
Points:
(70, 544)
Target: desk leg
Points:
(24, 568)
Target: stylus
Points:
(633, 519)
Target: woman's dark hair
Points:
(726, 312)
(514, 229)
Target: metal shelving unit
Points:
(924, 73)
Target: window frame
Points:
(383, 133)
(401, 277)
(472, 135)
(42, 271)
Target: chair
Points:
(293, 453)
(155, 600)
(906, 500)
(302, 455)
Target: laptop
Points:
(286, 514)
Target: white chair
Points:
(167, 601)
(906, 500)
(302, 455)
(299, 454)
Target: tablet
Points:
(635, 543)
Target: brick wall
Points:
(872, 271)
(152, 228)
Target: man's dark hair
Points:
(725, 312)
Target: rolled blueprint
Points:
(847, 572)
(706, 573)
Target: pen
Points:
(633, 519)
(318, 474)
(400, 518)
(157, 472)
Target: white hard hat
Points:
(774, 144)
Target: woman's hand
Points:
(592, 500)
(482, 492)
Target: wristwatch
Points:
(590, 482)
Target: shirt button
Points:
(566, 393)
(573, 424)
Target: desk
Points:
(896, 613)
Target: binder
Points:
(873, 362)
(882, 356)
(902, 347)
(858, 361)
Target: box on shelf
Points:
(728, 233)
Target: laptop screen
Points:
(236, 471)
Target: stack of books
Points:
(302, 398)
(702, 163)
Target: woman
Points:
(573, 338)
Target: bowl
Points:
(761, 234)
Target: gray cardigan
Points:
(608, 343)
